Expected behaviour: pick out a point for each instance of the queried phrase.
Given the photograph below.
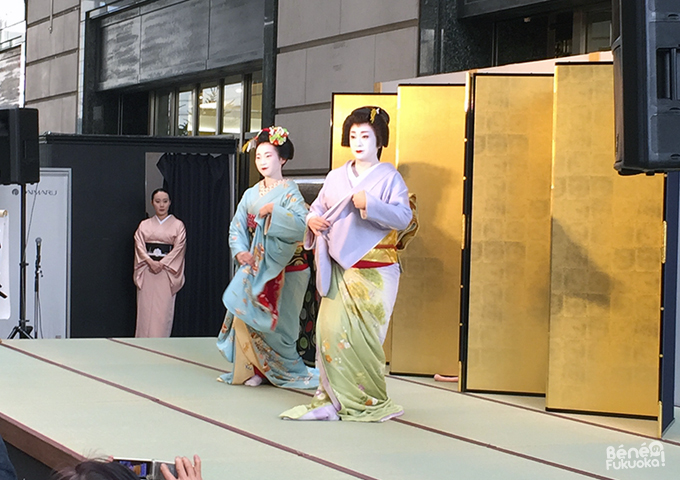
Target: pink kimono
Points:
(163, 241)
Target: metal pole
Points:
(23, 264)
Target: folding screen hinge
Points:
(664, 246)
(463, 231)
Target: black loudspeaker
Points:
(646, 48)
(19, 154)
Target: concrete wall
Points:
(52, 63)
(328, 46)
(10, 77)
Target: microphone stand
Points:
(36, 289)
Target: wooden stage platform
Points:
(63, 400)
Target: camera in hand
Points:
(146, 469)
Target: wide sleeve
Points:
(392, 212)
(140, 256)
(318, 208)
(174, 261)
(140, 246)
(239, 239)
(287, 221)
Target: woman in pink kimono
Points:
(159, 268)
(353, 226)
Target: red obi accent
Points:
(296, 268)
(393, 247)
(251, 221)
(269, 298)
(368, 264)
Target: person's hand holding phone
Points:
(185, 470)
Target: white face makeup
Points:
(161, 204)
(363, 142)
(268, 161)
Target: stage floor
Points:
(157, 398)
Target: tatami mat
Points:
(156, 398)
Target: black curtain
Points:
(199, 189)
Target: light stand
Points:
(23, 330)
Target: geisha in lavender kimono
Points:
(354, 225)
(264, 299)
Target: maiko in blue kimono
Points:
(264, 299)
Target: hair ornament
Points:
(374, 112)
(277, 136)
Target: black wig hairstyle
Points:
(376, 117)
(286, 150)
(158, 190)
(96, 470)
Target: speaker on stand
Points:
(20, 165)
(646, 49)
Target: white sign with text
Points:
(48, 226)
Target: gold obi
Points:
(385, 251)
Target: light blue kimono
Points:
(273, 322)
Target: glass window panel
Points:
(185, 117)
(207, 110)
(256, 103)
(599, 32)
(12, 25)
(163, 113)
(232, 100)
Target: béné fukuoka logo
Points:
(647, 456)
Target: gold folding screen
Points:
(343, 104)
(430, 156)
(509, 286)
(606, 259)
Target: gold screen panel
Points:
(430, 145)
(606, 259)
(509, 301)
(343, 104)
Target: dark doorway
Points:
(134, 114)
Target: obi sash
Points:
(382, 255)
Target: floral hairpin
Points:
(374, 112)
(277, 136)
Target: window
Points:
(232, 101)
(185, 117)
(12, 24)
(207, 109)
(230, 106)
(163, 114)
(598, 31)
(256, 102)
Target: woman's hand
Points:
(267, 210)
(155, 266)
(359, 200)
(317, 225)
(245, 258)
(185, 470)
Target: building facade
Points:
(12, 54)
(228, 67)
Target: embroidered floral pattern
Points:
(251, 221)
(266, 189)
